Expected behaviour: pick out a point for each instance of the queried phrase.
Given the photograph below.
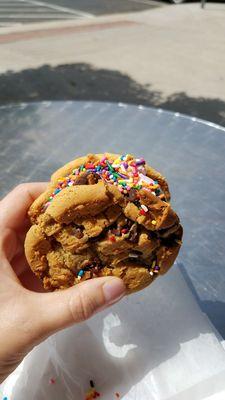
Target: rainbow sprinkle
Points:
(125, 172)
(92, 392)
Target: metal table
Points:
(37, 138)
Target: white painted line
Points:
(38, 16)
(20, 5)
(30, 11)
(15, 5)
(58, 8)
(10, 3)
(27, 9)
(148, 2)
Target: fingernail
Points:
(113, 290)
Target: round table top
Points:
(37, 138)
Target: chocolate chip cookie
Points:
(103, 214)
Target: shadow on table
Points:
(215, 310)
(84, 82)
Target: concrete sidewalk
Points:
(168, 50)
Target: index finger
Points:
(14, 206)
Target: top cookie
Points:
(103, 214)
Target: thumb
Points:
(58, 310)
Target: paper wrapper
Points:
(153, 345)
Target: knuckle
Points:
(20, 187)
(81, 306)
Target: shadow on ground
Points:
(84, 82)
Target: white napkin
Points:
(153, 345)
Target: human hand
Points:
(27, 315)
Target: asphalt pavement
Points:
(100, 7)
(17, 12)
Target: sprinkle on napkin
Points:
(92, 392)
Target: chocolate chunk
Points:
(164, 233)
(137, 203)
(137, 252)
(129, 223)
(82, 179)
(133, 233)
(93, 178)
(97, 265)
(132, 195)
(87, 178)
(78, 233)
(94, 265)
